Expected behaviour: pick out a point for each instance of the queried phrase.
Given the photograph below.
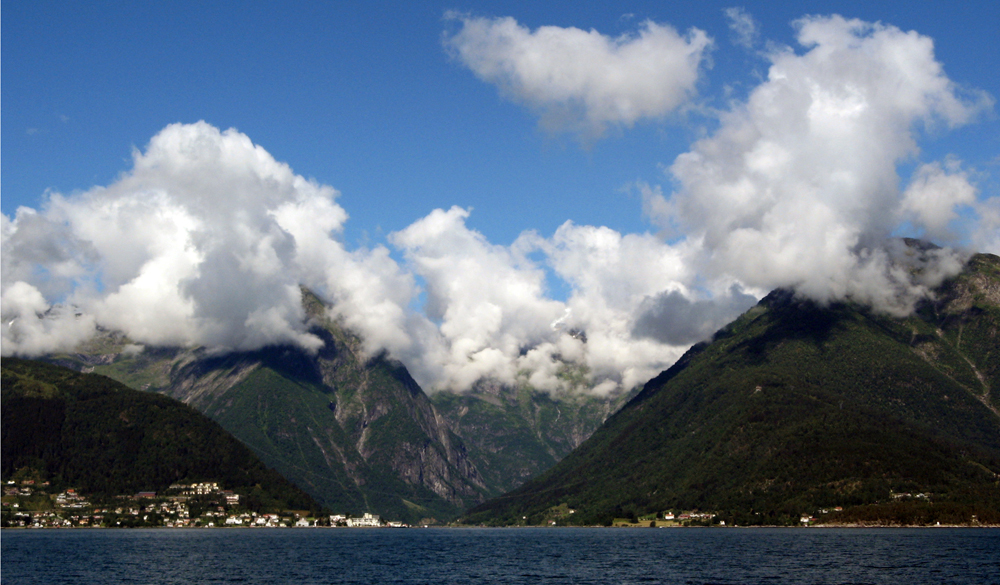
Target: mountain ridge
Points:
(795, 407)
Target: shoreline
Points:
(369, 528)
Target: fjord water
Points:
(524, 555)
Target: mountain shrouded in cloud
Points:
(799, 188)
(184, 249)
(208, 239)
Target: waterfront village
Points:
(29, 503)
(34, 503)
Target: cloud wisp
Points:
(207, 239)
(744, 28)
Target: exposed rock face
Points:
(514, 434)
(966, 313)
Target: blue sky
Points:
(505, 173)
(363, 97)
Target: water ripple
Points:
(503, 556)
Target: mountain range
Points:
(793, 408)
(355, 431)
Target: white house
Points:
(366, 520)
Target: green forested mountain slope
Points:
(89, 432)
(796, 407)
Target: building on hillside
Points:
(205, 488)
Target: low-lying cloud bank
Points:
(207, 239)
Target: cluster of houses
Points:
(30, 505)
(253, 520)
(909, 496)
(668, 518)
(688, 516)
(208, 488)
(71, 500)
(23, 488)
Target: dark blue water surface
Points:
(523, 555)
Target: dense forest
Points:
(100, 437)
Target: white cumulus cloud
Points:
(489, 300)
(183, 249)
(580, 80)
(934, 197)
(799, 188)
